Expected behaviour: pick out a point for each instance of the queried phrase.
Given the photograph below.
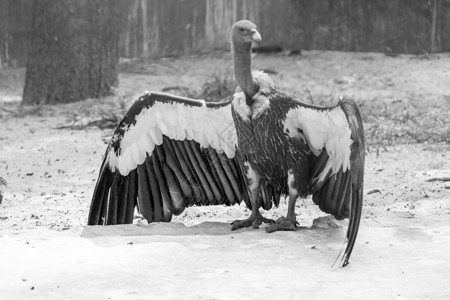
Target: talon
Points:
(238, 224)
(253, 221)
(282, 224)
(256, 223)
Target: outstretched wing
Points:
(168, 153)
(335, 137)
(357, 159)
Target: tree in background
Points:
(74, 50)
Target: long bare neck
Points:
(243, 70)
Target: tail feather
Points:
(357, 160)
(209, 197)
(158, 201)
(353, 226)
(189, 172)
(145, 192)
(122, 205)
(167, 207)
(231, 178)
(211, 158)
(132, 197)
(178, 202)
(97, 211)
(113, 200)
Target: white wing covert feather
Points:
(323, 130)
(209, 126)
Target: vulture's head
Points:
(245, 31)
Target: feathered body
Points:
(279, 135)
(263, 141)
(171, 152)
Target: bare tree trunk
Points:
(435, 25)
(74, 50)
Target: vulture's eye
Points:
(242, 29)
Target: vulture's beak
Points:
(256, 37)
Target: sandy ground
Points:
(403, 250)
(402, 259)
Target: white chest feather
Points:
(260, 102)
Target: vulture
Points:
(171, 152)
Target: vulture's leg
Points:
(255, 218)
(289, 222)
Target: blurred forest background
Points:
(71, 49)
(155, 28)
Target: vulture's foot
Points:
(282, 224)
(254, 221)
